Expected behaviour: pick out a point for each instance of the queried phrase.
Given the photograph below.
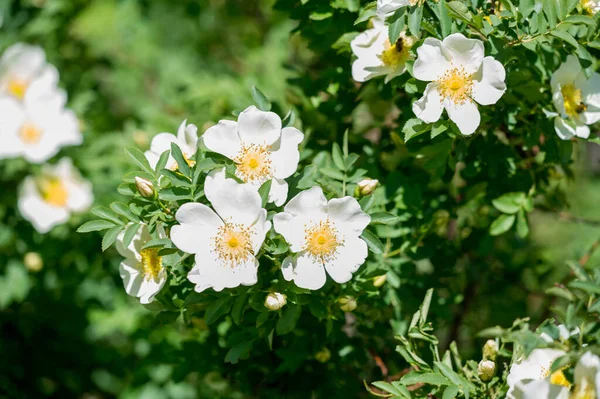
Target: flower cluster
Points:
(35, 126)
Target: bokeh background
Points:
(136, 68)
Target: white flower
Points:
(37, 128)
(587, 377)
(275, 301)
(576, 98)
(49, 199)
(388, 7)
(367, 186)
(24, 73)
(260, 148)
(460, 75)
(486, 370)
(226, 242)
(324, 235)
(376, 56)
(536, 367)
(142, 270)
(186, 140)
(539, 389)
(591, 6)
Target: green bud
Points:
(347, 303)
(323, 355)
(490, 350)
(486, 370)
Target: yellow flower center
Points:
(457, 85)
(151, 264)
(397, 54)
(588, 6)
(30, 133)
(556, 378)
(17, 87)
(254, 163)
(572, 100)
(233, 244)
(322, 241)
(54, 191)
(587, 393)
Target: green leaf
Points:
(123, 210)
(130, 233)
(425, 378)
(580, 19)
(289, 318)
(239, 351)
(157, 242)
(95, 225)
(393, 389)
(522, 226)
(139, 158)
(374, 244)
(162, 162)
(414, 127)
(396, 27)
(261, 101)
(110, 237)
(333, 173)
(106, 214)
(338, 158)
(239, 305)
(217, 309)
(453, 376)
(450, 392)
(414, 20)
(438, 128)
(509, 203)
(424, 308)
(588, 287)
(565, 36)
(502, 224)
(458, 9)
(384, 218)
(263, 191)
(182, 164)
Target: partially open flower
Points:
(144, 187)
(490, 350)
(49, 199)
(486, 370)
(367, 186)
(186, 139)
(275, 301)
(460, 77)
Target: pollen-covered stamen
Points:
(556, 378)
(321, 241)
(53, 191)
(572, 100)
(254, 163)
(17, 87)
(151, 264)
(396, 54)
(456, 84)
(233, 244)
(30, 133)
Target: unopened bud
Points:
(275, 301)
(144, 187)
(486, 370)
(323, 355)
(33, 261)
(490, 350)
(367, 186)
(379, 280)
(347, 303)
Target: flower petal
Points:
(465, 115)
(563, 129)
(232, 200)
(467, 53)
(198, 224)
(304, 272)
(429, 107)
(260, 230)
(223, 139)
(349, 259)
(310, 203)
(188, 135)
(489, 85)
(259, 127)
(208, 272)
(431, 62)
(42, 215)
(347, 215)
(566, 73)
(291, 227)
(278, 192)
(284, 153)
(591, 91)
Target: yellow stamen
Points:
(558, 378)
(322, 241)
(572, 100)
(54, 191)
(151, 264)
(17, 87)
(397, 54)
(457, 85)
(233, 244)
(30, 133)
(254, 163)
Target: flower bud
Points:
(275, 301)
(367, 186)
(144, 187)
(347, 303)
(486, 369)
(33, 261)
(323, 355)
(379, 280)
(490, 350)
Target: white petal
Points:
(136, 285)
(43, 85)
(13, 117)
(209, 273)
(429, 107)
(39, 213)
(489, 85)
(304, 272)
(431, 62)
(188, 135)
(278, 192)
(347, 215)
(370, 42)
(162, 142)
(348, 260)
(539, 389)
(258, 127)
(465, 115)
(291, 227)
(223, 139)
(284, 153)
(132, 251)
(239, 202)
(465, 52)
(582, 131)
(310, 203)
(563, 129)
(566, 73)
(80, 195)
(591, 91)
(198, 224)
(587, 370)
(259, 231)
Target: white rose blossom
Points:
(460, 77)
(25, 74)
(37, 127)
(260, 148)
(142, 270)
(376, 56)
(587, 377)
(225, 243)
(324, 236)
(49, 199)
(535, 367)
(591, 6)
(186, 139)
(539, 389)
(576, 99)
(386, 8)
